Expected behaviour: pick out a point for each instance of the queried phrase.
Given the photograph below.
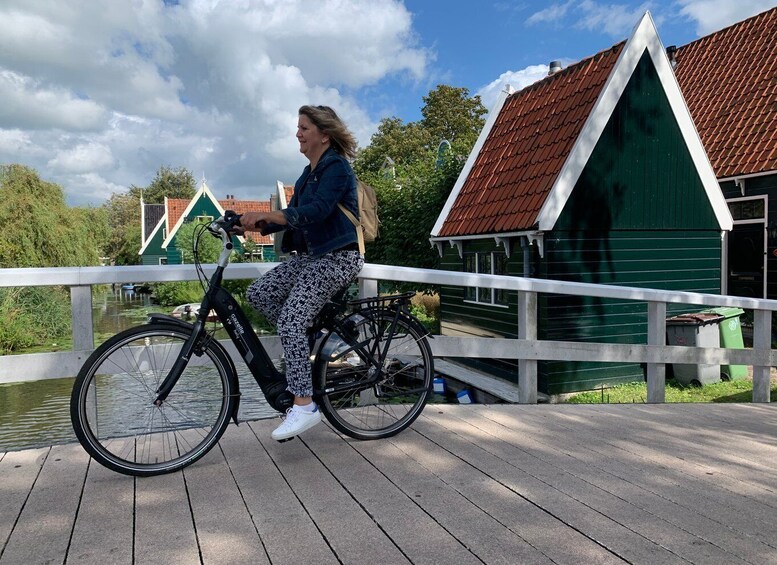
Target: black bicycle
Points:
(155, 398)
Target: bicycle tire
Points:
(112, 408)
(385, 408)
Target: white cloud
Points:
(28, 104)
(83, 158)
(97, 95)
(713, 15)
(616, 20)
(551, 14)
(517, 79)
(18, 142)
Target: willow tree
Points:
(39, 229)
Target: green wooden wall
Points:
(154, 250)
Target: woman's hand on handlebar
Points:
(257, 221)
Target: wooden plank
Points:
(103, 530)
(18, 472)
(540, 485)
(688, 503)
(694, 448)
(685, 480)
(352, 533)
(416, 533)
(491, 484)
(225, 531)
(164, 530)
(42, 532)
(417, 467)
(685, 525)
(287, 532)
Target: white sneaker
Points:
(297, 421)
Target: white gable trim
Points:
(203, 191)
(281, 190)
(492, 116)
(158, 227)
(643, 37)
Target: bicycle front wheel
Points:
(112, 405)
(367, 400)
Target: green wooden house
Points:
(159, 245)
(593, 174)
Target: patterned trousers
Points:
(291, 295)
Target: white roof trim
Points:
(158, 226)
(492, 116)
(204, 190)
(643, 37)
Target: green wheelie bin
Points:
(730, 338)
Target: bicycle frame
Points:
(271, 381)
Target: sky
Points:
(96, 95)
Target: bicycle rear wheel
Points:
(349, 396)
(112, 405)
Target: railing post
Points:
(81, 311)
(527, 329)
(367, 287)
(762, 340)
(656, 372)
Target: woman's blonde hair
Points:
(329, 123)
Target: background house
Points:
(161, 222)
(593, 174)
(729, 80)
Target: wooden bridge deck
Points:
(466, 484)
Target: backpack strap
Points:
(356, 223)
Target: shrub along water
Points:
(33, 315)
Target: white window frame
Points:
(491, 293)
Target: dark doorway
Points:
(746, 260)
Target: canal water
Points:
(37, 413)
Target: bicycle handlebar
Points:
(226, 223)
(223, 227)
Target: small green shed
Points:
(593, 174)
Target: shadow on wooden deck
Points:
(466, 484)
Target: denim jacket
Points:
(313, 210)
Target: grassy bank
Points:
(732, 391)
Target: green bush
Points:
(175, 293)
(32, 316)
(428, 320)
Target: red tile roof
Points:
(177, 206)
(526, 149)
(729, 81)
(175, 209)
(243, 206)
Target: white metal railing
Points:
(527, 349)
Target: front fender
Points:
(221, 351)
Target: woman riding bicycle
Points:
(323, 252)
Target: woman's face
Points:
(312, 142)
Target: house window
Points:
(163, 260)
(256, 254)
(203, 219)
(491, 263)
